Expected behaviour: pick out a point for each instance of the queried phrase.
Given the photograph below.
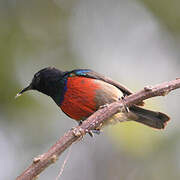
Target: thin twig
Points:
(91, 123)
(64, 163)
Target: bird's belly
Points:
(84, 96)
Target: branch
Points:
(95, 120)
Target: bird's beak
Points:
(24, 90)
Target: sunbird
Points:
(81, 92)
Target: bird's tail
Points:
(153, 119)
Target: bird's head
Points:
(49, 81)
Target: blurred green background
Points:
(134, 42)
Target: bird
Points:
(81, 92)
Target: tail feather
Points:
(153, 119)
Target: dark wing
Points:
(95, 75)
(92, 74)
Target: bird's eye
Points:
(37, 77)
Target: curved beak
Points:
(24, 90)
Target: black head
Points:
(49, 81)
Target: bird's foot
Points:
(124, 108)
(78, 132)
(80, 122)
(94, 131)
(90, 132)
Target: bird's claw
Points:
(78, 132)
(124, 108)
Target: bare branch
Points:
(94, 121)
